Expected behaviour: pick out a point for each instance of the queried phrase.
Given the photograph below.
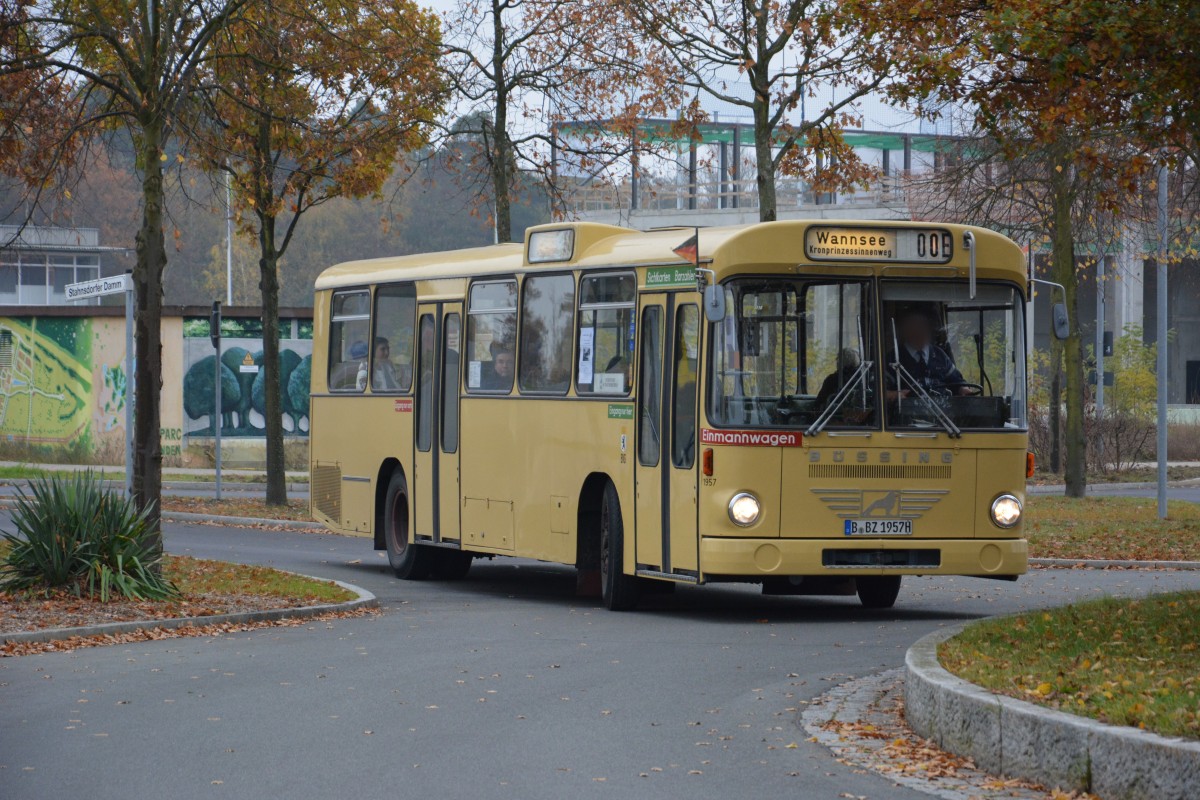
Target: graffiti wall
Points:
(63, 387)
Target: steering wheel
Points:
(975, 389)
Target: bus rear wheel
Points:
(878, 591)
(618, 590)
(410, 561)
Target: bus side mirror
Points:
(714, 303)
(1062, 323)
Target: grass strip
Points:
(1125, 662)
(1112, 528)
(252, 507)
(198, 576)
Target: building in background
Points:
(37, 263)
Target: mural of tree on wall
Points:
(243, 392)
(199, 399)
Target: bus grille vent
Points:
(327, 490)
(862, 471)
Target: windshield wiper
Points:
(905, 377)
(838, 400)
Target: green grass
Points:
(1112, 528)
(195, 576)
(1125, 662)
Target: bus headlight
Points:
(744, 509)
(1006, 511)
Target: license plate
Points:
(879, 527)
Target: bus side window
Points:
(547, 314)
(425, 386)
(650, 388)
(392, 342)
(491, 343)
(349, 351)
(606, 331)
(686, 358)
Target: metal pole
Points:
(217, 403)
(129, 383)
(1162, 376)
(1100, 337)
(228, 243)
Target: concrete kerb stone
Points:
(1021, 740)
(365, 599)
(1096, 563)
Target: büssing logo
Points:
(879, 503)
(884, 457)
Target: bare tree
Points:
(797, 67)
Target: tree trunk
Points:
(272, 392)
(500, 146)
(1055, 406)
(1064, 269)
(764, 162)
(147, 330)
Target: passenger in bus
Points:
(499, 374)
(922, 358)
(383, 376)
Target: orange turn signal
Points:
(1029, 465)
(707, 462)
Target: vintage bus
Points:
(820, 407)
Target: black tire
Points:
(618, 590)
(451, 565)
(410, 561)
(878, 591)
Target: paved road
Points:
(505, 685)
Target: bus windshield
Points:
(808, 354)
(789, 349)
(953, 361)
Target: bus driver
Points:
(928, 364)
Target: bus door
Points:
(666, 437)
(435, 481)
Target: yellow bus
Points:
(820, 407)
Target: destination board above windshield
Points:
(919, 246)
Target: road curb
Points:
(365, 599)
(1016, 739)
(1099, 563)
(187, 516)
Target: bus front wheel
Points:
(878, 591)
(410, 561)
(618, 590)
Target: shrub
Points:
(1183, 442)
(73, 535)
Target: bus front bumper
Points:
(761, 558)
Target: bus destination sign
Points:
(914, 245)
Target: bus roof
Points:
(724, 249)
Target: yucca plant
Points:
(73, 535)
